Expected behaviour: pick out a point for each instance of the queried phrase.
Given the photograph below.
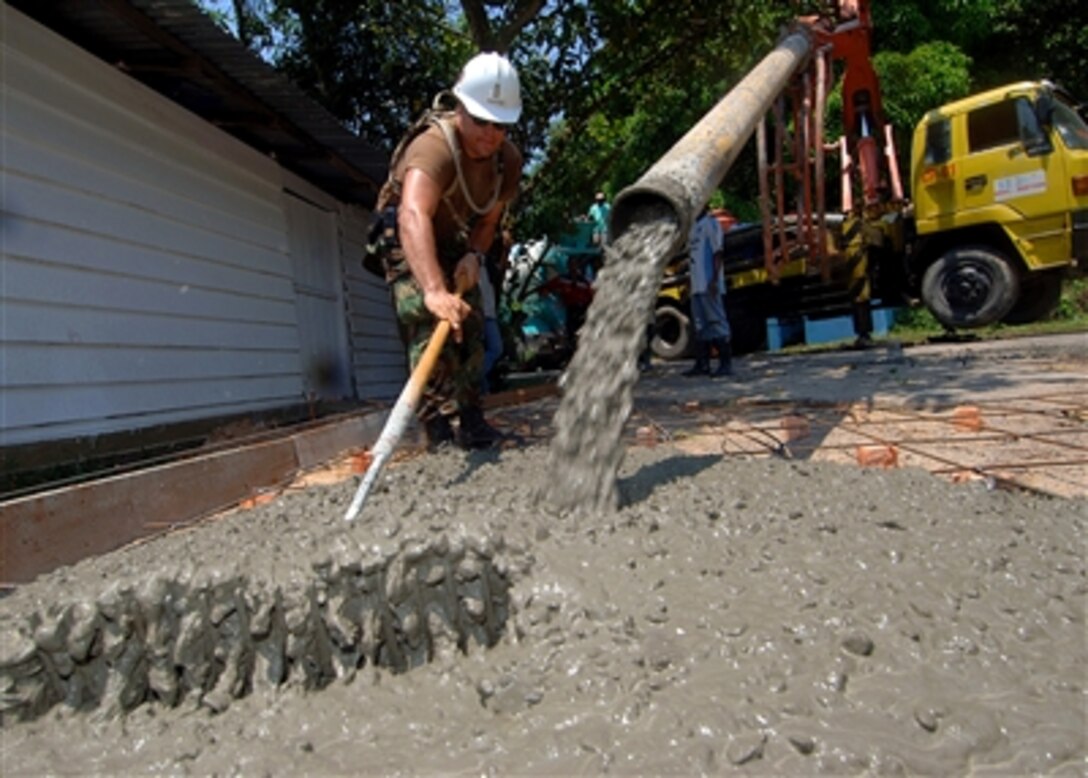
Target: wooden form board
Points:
(42, 532)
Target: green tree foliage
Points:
(654, 67)
(610, 85)
(377, 65)
(902, 25)
(1037, 39)
(374, 64)
(916, 82)
(1007, 40)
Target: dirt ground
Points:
(761, 612)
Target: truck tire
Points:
(672, 333)
(972, 286)
(1040, 294)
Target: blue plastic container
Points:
(842, 327)
(785, 331)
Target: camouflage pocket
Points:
(373, 263)
(382, 245)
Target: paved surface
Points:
(1012, 412)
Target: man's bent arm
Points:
(420, 198)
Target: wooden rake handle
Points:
(404, 410)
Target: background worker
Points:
(494, 271)
(450, 187)
(707, 296)
(599, 212)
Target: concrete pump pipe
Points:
(685, 177)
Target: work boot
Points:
(702, 360)
(725, 354)
(863, 325)
(439, 432)
(476, 433)
(862, 342)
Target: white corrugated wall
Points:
(380, 367)
(146, 273)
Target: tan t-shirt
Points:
(431, 154)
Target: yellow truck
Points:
(1000, 204)
(997, 216)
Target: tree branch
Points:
(489, 39)
(478, 23)
(524, 12)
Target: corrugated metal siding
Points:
(179, 51)
(145, 271)
(379, 367)
(315, 256)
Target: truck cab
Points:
(1000, 203)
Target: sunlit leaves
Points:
(610, 85)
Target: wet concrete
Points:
(599, 383)
(754, 616)
(1029, 393)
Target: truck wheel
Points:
(672, 333)
(968, 287)
(1040, 294)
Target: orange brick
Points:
(878, 456)
(360, 462)
(646, 436)
(967, 418)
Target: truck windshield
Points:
(1070, 126)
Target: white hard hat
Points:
(489, 89)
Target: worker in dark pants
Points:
(708, 297)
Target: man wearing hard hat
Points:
(450, 187)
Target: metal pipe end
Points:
(651, 201)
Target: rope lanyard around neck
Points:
(455, 150)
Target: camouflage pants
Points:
(455, 382)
